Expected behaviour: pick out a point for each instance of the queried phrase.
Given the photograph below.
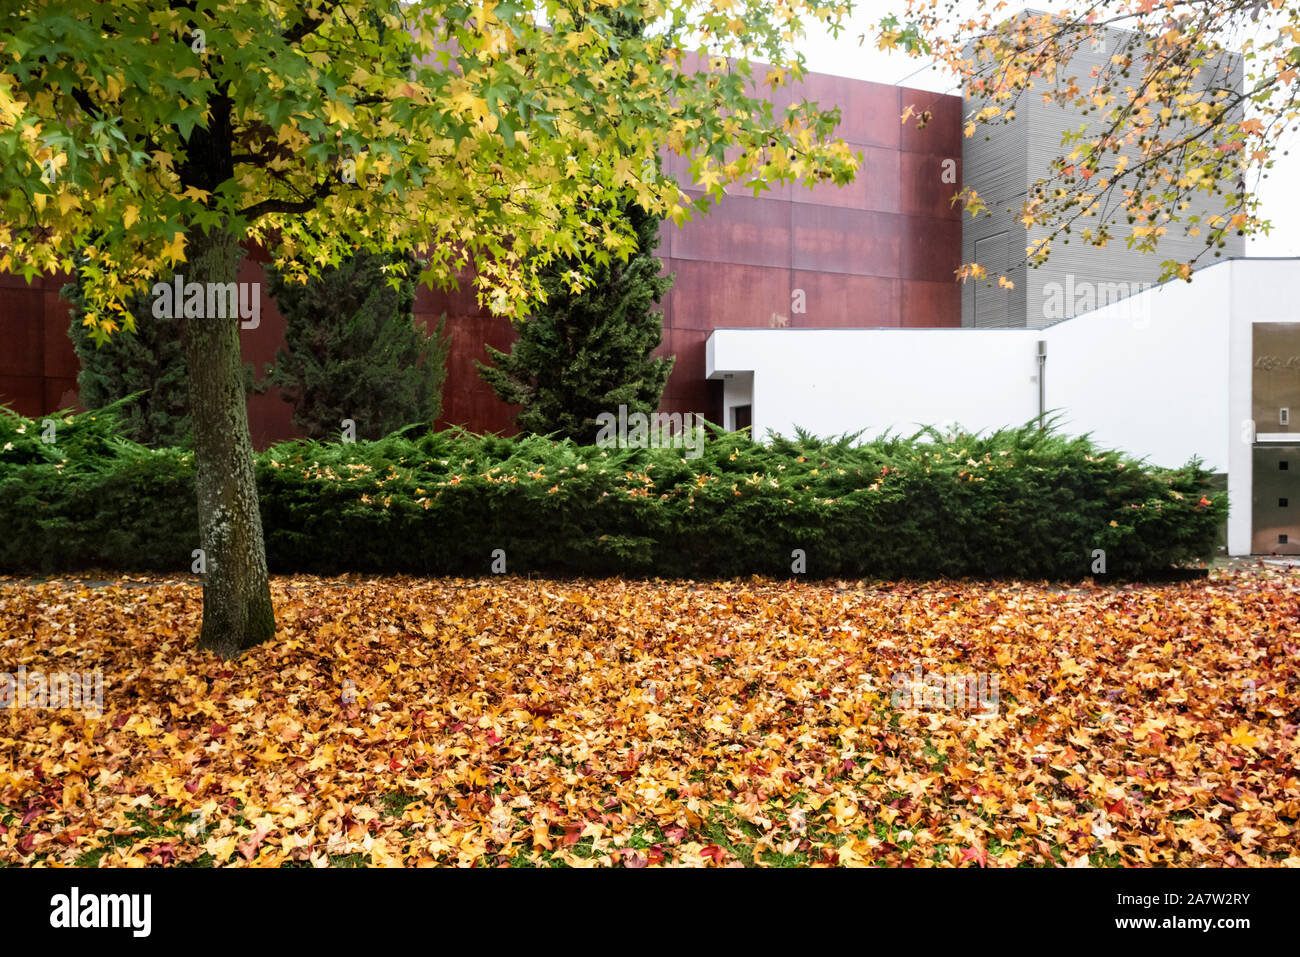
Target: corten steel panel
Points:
(869, 112)
(705, 401)
(943, 133)
(844, 301)
(259, 346)
(22, 303)
(60, 394)
(24, 394)
(466, 399)
(688, 346)
(754, 232)
(462, 301)
(687, 389)
(830, 239)
(709, 295)
(841, 246)
(931, 304)
(876, 185)
(24, 336)
(270, 420)
(923, 192)
(60, 359)
(775, 190)
(929, 250)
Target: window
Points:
(742, 417)
(1281, 539)
(1281, 503)
(1283, 465)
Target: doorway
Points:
(1275, 503)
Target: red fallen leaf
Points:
(394, 764)
(1116, 809)
(675, 834)
(120, 720)
(830, 856)
(634, 859)
(27, 844)
(216, 730)
(714, 853)
(976, 854)
(31, 813)
(192, 785)
(656, 854)
(572, 833)
(162, 854)
(248, 848)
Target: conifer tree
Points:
(585, 353)
(354, 350)
(149, 361)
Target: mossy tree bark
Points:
(237, 612)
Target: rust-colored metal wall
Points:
(882, 251)
(38, 368)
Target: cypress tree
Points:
(585, 353)
(354, 350)
(150, 361)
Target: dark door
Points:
(742, 417)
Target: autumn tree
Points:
(151, 136)
(1192, 104)
(587, 352)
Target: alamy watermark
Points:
(59, 690)
(936, 691)
(1075, 297)
(659, 430)
(211, 300)
(75, 910)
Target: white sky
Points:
(844, 56)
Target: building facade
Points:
(1003, 161)
(882, 251)
(838, 310)
(1208, 369)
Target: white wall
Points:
(832, 381)
(1263, 290)
(1165, 375)
(738, 390)
(1149, 375)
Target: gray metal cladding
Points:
(1002, 161)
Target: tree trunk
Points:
(237, 612)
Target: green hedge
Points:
(1018, 503)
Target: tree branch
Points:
(310, 22)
